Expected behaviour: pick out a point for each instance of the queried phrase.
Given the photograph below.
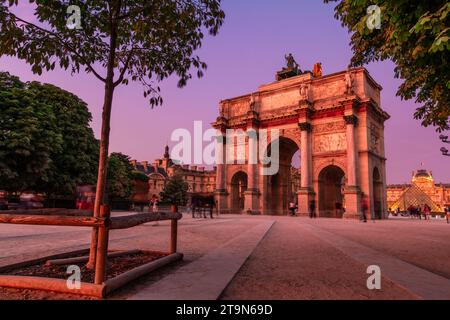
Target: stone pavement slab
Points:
(207, 277)
(418, 281)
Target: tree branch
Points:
(64, 43)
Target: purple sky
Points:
(247, 52)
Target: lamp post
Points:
(443, 149)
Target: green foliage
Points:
(120, 177)
(415, 36)
(76, 164)
(139, 176)
(28, 135)
(145, 41)
(175, 191)
(46, 143)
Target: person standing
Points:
(292, 208)
(312, 209)
(426, 212)
(447, 214)
(155, 210)
(364, 207)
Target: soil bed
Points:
(116, 266)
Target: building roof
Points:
(423, 174)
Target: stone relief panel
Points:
(330, 142)
(330, 127)
(238, 108)
(375, 138)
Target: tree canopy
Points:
(28, 136)
(120, 177)
(415, 36)
(76, 163)
(175, 191)
(46, 142)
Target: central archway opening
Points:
(281, 188)
(331, 199)
(239, 184)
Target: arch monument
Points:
(336, 123)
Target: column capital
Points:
(351, 119)
(305, 126)
(252, 120)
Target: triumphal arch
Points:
(337, 123)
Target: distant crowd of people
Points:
(416, 212)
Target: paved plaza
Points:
(265, 257)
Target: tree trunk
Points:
(104, 142)
(102, 168)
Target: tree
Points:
(137, 40)
(75, 162)
(139, 176)
(120, 177)
(47, 144)
(28, 136)
(415, 36)
(175, 191)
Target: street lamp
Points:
(445, 152)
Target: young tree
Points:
(175, 191)
(415, 36)
(136, 40)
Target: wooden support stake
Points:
(46, 220)
(50, 284)
(102, 247)
(126, 222)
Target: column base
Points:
(305, 196)
(252, 202)
(352, 202)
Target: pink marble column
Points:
(352, 192)
(351, 122)
(306, 193)
(220, 161)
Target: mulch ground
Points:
(115, 267)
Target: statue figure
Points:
(292, 68)
(348, 83)
(304, 91)
(317, 70)
(252, 103)
(222, 111)
(290, 62)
